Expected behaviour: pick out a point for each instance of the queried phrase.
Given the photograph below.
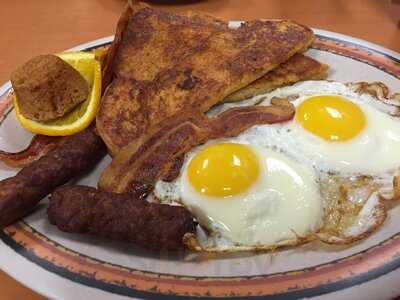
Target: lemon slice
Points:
(81, 117)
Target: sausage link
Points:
(20, 194)
(122, 217)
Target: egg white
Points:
(373, 151)
(354, 178)
(282, 204)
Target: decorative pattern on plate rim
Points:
(352, 270)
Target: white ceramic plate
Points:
(67, 266)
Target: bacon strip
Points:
(39, 146)
(138, 166)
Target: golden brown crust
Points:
(139, 165)
(107, 66)
(341, 237)
(165, 62)
(379, 91)
(299, 67)
(376, 89)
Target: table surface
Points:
(37, 27)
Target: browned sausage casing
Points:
(21, 193)
(123, 217)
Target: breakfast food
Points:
(297, 68)
(282, 201)
(197, 64)
(210, 152)
(138, 168)
(312, 177)
(20, 194)
(334, 207)
(336, 128)
(116, 216)
(47, 88)
(353, 186)
(246, 196)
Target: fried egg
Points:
(247, 195)
(323, 175)
(335, 129)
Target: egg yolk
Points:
(223, 170)
(332, 118)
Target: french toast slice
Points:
(297, 68)
(161, 63)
